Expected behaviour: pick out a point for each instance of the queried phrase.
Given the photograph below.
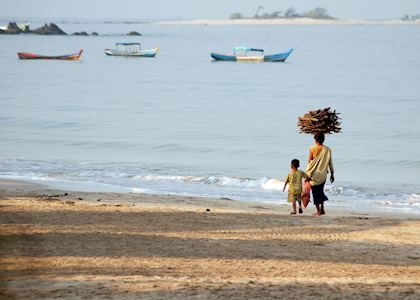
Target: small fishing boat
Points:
(27, 55)
(251, 54)
(131, 49)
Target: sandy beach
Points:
(296, 21)
(134, 246)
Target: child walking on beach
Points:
(294, 179)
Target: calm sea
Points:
(182, 124)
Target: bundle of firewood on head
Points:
(320, 121)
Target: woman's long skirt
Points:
(318, 194)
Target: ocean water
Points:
(182, 124)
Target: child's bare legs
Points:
(294, 208)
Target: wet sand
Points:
(135, 246)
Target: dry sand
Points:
(134, 246)
(297, 21)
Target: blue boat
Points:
(251, 54)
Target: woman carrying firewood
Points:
(320, 161)
(320, 122)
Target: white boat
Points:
(131, 49)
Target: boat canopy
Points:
(128, 44)
(245, 49)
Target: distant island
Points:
(411, 18)
(47, 29)
(288, 21)
(290, 13)
(316, 16)
(318, 13)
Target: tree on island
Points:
(273, 15)
(411, 18)
(236, 16)
(316, 13)
(256, 16)
(291, 13)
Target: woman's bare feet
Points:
(317, 213)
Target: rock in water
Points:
(49, 29)
(82, 33)
(12, 28)
(134, 33)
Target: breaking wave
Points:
(135, 179)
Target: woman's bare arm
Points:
(331, 166)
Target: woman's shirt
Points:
(315, 150)
(318, 167)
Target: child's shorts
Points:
(294, 197)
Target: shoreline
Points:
(58, 245)
(23, 188)
(296, 21)
(11, 188)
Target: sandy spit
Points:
(297, 21)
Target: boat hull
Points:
(28, 55)
(223, 57)
(144, 53)
(279, 57)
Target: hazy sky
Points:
(142, 9)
